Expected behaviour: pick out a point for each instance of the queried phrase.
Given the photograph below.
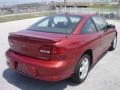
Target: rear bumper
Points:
(51, 70)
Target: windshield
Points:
(56, 24)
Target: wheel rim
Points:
(84, 66)
(114, 42)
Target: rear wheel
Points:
(82, 69)
(114, 44)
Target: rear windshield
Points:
(56, 24)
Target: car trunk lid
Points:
(33, 43)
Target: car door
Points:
(107, 35)
(90, 32)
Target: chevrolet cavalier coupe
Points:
(60, 46)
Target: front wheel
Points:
(82, 69)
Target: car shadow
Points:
(27, 83)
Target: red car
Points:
(61, 46)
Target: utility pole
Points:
(89, 6)
(94, 2)
(65, 2)
(118, 9)
(119, 4)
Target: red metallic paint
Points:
(57, 66)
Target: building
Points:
(81, 3)
(85, 1)
(34, 7)
(26, 8)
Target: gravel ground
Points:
(104, 76)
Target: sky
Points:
(19, 1)
(12, 2)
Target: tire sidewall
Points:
(113, 42)
(78, 79)
(112, 45)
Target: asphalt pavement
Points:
(105, 75)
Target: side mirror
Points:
(111, 26)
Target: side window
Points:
(88, 28)
(100, 22)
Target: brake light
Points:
(57, 50)
(51, 50)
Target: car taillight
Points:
(54, 50)
(51, 50)
(57, 50)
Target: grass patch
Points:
(23, 16)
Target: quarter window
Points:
(88, 28)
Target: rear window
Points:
(56, 24)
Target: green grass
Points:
(23, 16)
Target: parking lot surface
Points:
(105, 75)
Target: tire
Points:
(80, 75)
(113, 44)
